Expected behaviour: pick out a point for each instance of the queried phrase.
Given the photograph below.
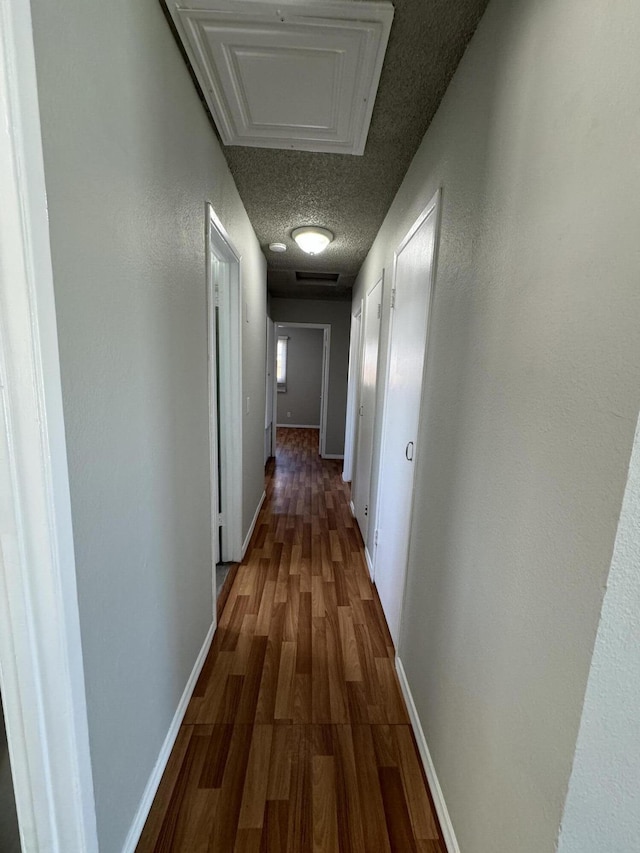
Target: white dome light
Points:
(278, 247)
(311, 239)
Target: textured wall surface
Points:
(130, 160)
(338, 315)
(531, 399)
(300, 403)
(602, 812)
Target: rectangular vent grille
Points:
(327, 277)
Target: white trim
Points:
(367, 557)
(332, 456)
(298, 426)
(252, 526)
(352, 508)
(230, 373)
(450, 840)
(135, 831)
(41, 668)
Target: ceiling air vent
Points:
(326, 277)
(290, 74)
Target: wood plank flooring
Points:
(297, 739)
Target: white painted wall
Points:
(602, 812)
(338, 315)
(531, 399)
(130, 159)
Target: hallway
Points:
(297, 737)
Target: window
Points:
(281, 363)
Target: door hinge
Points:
(220, 520)
(366, 509)
(393, 298)
(216, 294)
(361, 411)
(379, 310)
(375, 538)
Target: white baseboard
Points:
(352, 508)
(298, 426)
(333, 456)
(252, 527)
(367, 556)
(450, 840)
(151, 789)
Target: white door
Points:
(352, 398)
(411, 297)
(366, 408)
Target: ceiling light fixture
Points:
(312, 239)
(278, 247)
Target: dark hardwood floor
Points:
(297, 738)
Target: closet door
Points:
(411, 299)
(367, 407)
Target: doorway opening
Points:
(224, 322)
(315, 359)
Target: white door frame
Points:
(353, 394)
(434, 203)
(324, 392)
(226, 293)
(41, 670)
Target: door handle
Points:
(408, 451)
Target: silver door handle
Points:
(408, 451)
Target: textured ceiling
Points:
(351, 194)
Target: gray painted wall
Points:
(602, 812)
(9, 832)
(531, 398)
(130, 159)
(300, 403)
(338, 314)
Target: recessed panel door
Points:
(411, 300)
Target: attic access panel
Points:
(295, 75)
